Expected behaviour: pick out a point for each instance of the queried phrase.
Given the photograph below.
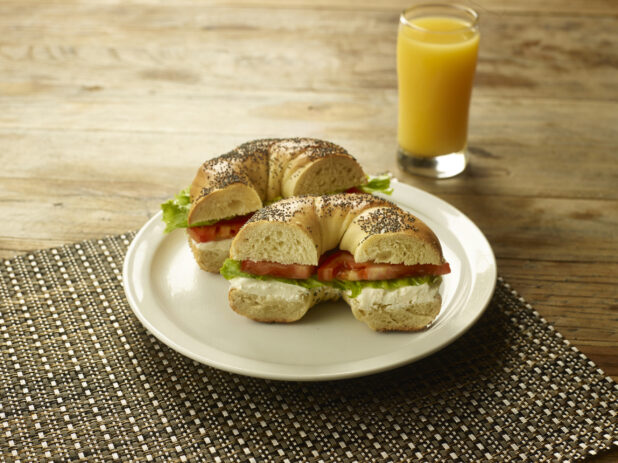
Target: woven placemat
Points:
(80, 378)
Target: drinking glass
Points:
(437, 48)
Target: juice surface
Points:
(436, 61)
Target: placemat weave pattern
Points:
(82, 379)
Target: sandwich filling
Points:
(399, 298)
(268, 288)
(176, 213)
(368, 297)
(338, 270)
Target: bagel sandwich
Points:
(228, 189)
(385, 262)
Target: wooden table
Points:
(108, 107)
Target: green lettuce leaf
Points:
(231, 269)
(378, 184)
(176, 211)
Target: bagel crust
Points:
(300, 230)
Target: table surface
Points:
(108, 107)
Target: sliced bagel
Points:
(297, 231)
(223, 188)
(261, 171)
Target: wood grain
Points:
(108, 107)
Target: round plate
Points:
(187, 308)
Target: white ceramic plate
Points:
(187, 308)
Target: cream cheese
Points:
(396, 299)
(214, 246)
(269, 288)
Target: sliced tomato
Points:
(354, 190)
(340, 265)
(273, 269)
(221, 230)
(333, 262)
(391, 271)
(203, 234)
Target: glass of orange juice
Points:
(437, 48)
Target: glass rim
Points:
(452, 6)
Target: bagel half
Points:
(256, 173)
(261, 171)
(293, 234)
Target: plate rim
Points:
(274, 372)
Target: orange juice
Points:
(436, 60)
